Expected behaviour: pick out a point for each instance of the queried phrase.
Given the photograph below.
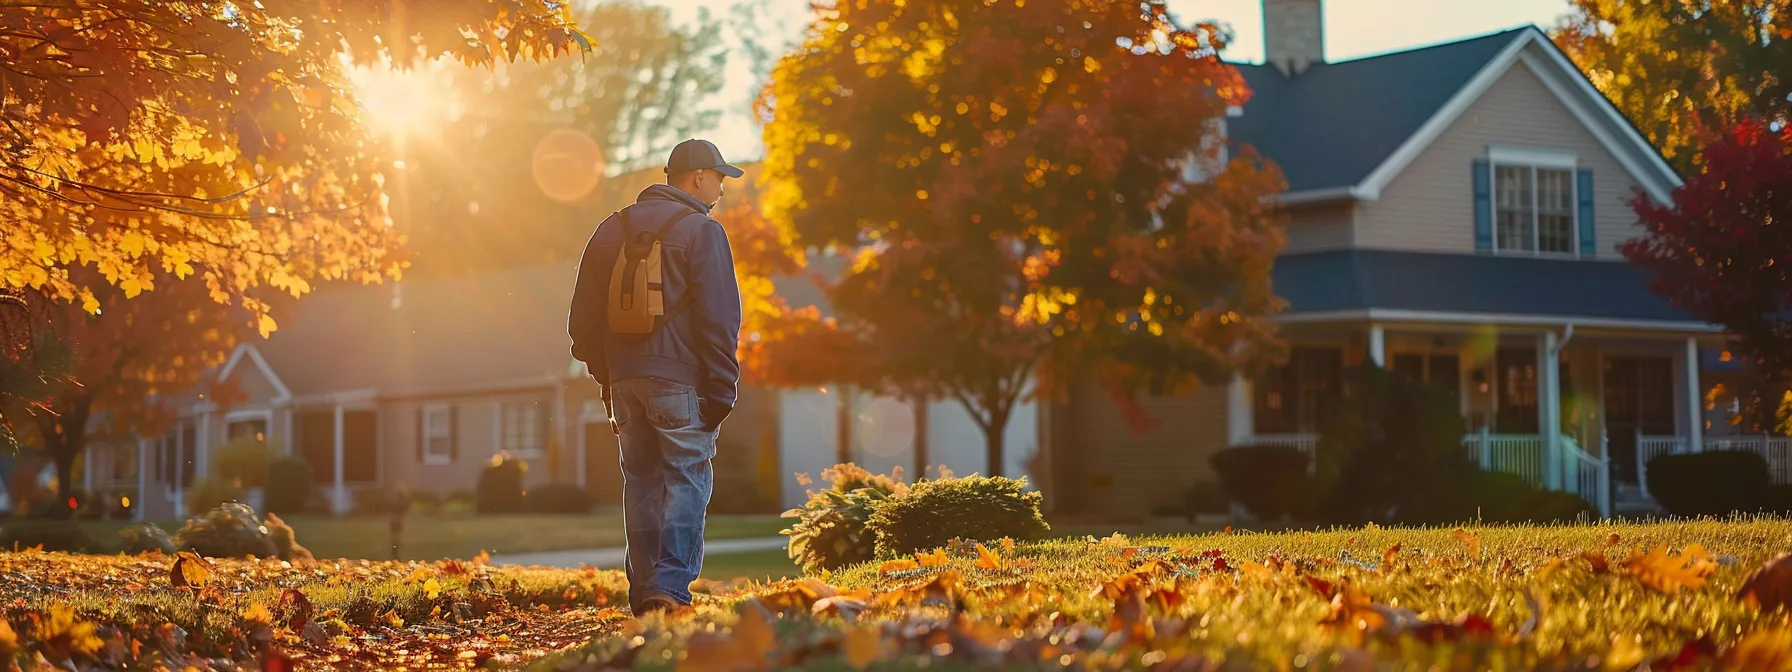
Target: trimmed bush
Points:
(459, 502)
(500, 486)
(426, 502)
(831, 530)
(1709, 484)
(228, 531)
(559, 498)
(1779, 499)
(286, 542)
(51, 534)
(289, 486)
(980, 508)
(1204, 498)
(210, 494)
(1502, 498)
(146, 537)
(381, 502)
(1270, 481)
(1391, 451)
(244, 461)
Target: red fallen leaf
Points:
(1325, 588)
(1771, 587)
(1694, 653)
(1597, 560)
(275, 661)
(1219, 564)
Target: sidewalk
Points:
(612, 558)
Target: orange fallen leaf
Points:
(1771, 587)
(189, 570)
(1470, 539)
(987, 559)
(937, 558)
(1764, 649)
(861, 646)
(258, 613)
(1387, 557)
(1008, 545)
(1668, 573)
(897, 566)
(1597, 559)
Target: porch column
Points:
(1378, 345)
(1695, 400)
(1239, 421)
(339, 494)
(86, 470)
(1549, 409)
(142, 496)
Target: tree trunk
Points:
(921, 448)
(843, 425)
(68, 436)
(992, 440)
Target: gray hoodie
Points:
(697, 348)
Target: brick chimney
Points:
(1293, 35)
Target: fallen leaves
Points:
(189, 570)
(1771, 587)
(1470, 540)
(1667, 572)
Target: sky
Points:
(1353, 29)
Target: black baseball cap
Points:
(696, 155)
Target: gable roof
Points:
(1346, 129)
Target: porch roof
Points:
(1363, 280)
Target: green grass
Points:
(769, 565)
(464, 536)
(1548, 605)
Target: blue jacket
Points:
(697, 347)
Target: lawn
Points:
(768, 565)
(1589, 597)
(464, 536)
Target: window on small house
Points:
(437, 437)
(1534, 209)
(1294, 398)
(522, 429)
(254, 429)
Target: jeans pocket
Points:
(671, 408)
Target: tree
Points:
(134, 362)
(152, 141)
(1035, 193)
(32, 363)
(1684, 70)
(511, 175)
(1721, 249)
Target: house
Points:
(1454, 214)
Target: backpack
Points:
(637, 297)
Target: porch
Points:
(1566, 407)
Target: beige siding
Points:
(475, 427)
(1430, 205)
(1109, 470)
(1320, 227)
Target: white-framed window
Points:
(437, 435)
(1534, 202)
(522, 430)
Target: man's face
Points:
(709, 186)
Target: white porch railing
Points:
(1777, 450)
(1305, 443)
(1587, 476)
(1518, 454)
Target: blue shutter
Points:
(1483, 206)
(1584, 189)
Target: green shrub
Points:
(459, 502)
(975, 507)
(210, 494)
(244, 461)
(52, 534)
(738, 493)
(1270, 481)
(1206, 497)
(1779, 498)
(1393, 444)
(500, 486)
(1709, 484)
(286, 542)
(289, 486)
(831, 530)
(381, 502)
(426, 502)
(1502, 498)
(228, 531)
(559, 498)
(146, 537)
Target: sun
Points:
(402, 104)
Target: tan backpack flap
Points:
(637, 304)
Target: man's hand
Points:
(712, 414)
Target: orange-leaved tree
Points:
(155, 140)
(1036, 192)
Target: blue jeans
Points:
(666, 484)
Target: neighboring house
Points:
(1454, 214)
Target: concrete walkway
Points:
(612, 558)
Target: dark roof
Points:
(1331, 125)
(451, 332)
(1350, 280)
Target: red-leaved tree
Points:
(1723, 249)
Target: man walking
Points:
(656, 318)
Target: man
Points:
(668, 390)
